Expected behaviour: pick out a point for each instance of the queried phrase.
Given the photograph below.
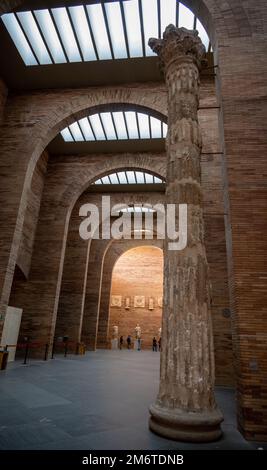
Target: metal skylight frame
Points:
(115, 125)
(129, 177)
(99, 31)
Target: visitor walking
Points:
(159, 344)
(154, 345)
(139, 344)
(121, 342)
(129, 342)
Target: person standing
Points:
(129, 342)
(121, 342)
(139, 344)
(154, 344)
(159, 344)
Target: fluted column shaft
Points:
(185, 407)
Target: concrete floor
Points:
(99, 401)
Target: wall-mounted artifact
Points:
(160, 302)
(115, 331)
(127, 303)
(139, 301)
(138, 331)
(115, 301)
(150, 303)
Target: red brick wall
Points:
(139, 271)
(31, 215)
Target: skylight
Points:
(99, 31)
(118, 125)
(129, 177)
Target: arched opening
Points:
(136, 296)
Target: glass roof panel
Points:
(157, 180)
(148, 178)
(203, 35)
(105, 180)
(186, 17)
(131, 177)
(76, 132)
(122, 177)
(168, 14)
(120, 125)
(132, 124)
(108, 126)
(49, 32)
(143, 125)
(18, 37)
(165, 130)
(66, 33)
(113, 12)
(86, 129)
(81, 27)
(97, 127)
(114, 178)
(132, 19)
(67, 135)
(103, 127)
(150, 19)
(98, 26)
(33, 34)
(155, 128)
(140, 177)
(98, 31)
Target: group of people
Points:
(156, 344)
(128, 342)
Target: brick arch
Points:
(120, 162)
(114, 251)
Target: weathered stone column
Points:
(185, 408)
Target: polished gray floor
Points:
(99, 401)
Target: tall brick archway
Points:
(112, 255)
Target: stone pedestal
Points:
(114, 344)
(185, 408)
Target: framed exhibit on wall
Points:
(139, 301)
(116, 301)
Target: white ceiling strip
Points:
(113, 12)
(18, 37)
(132, 20)
(98, 26)
(82, 30)
(51, 37)
(66, 33)
(35, 39)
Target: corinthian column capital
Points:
(178, 45)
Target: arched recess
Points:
(82, 272)
(30, 144)
(114, 252)
(48, 257)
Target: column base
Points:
(181, 425)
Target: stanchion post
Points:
(26, 351)
(53, 350)
(46, 352)
(66, 349)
